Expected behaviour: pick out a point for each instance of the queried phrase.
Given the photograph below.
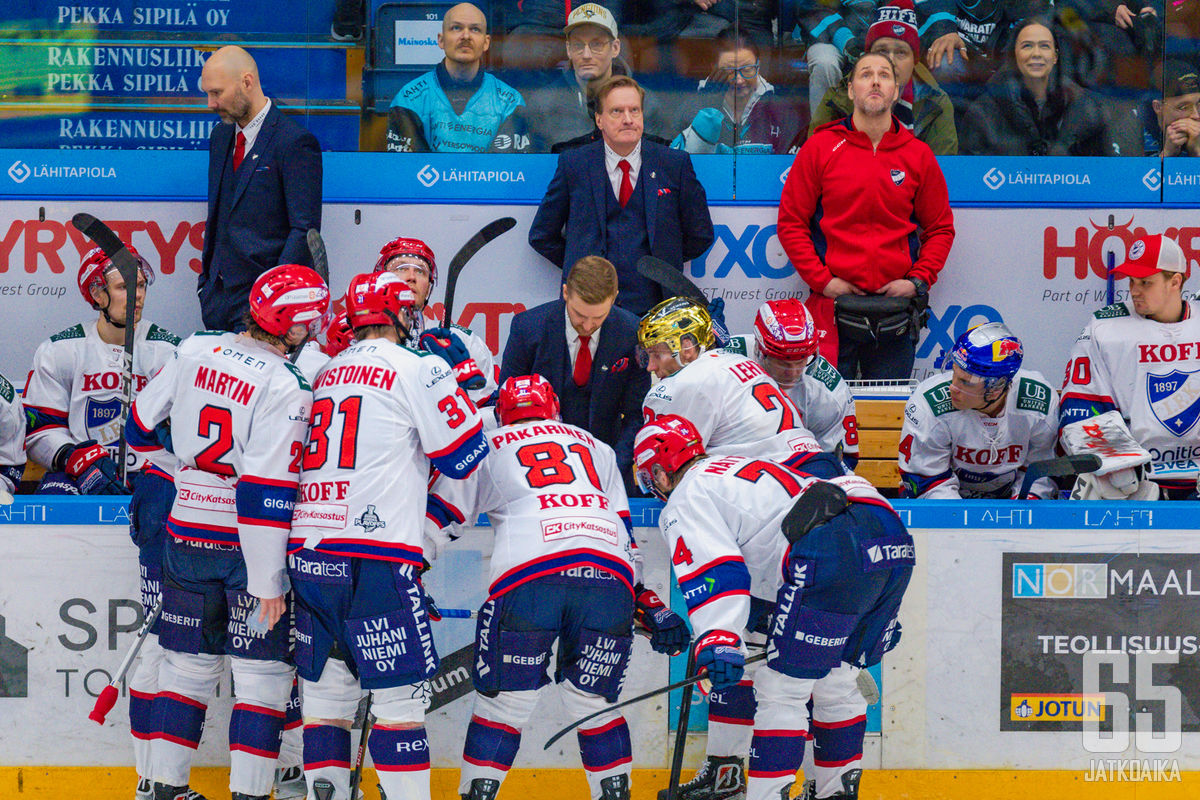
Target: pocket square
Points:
(663, 191)
(620, 364)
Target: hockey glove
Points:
(92, 469)
(719, 653)
(431, 606)
(668, 632)
(716, 311)
(153, 495)
(445, 343)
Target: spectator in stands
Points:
(257, 220)
(1030, 109)
(622, 198)
(534, 28)
(584, 347)
(562, 109)
(1130, 28)
(923, 107)
(740, 111)
(1173, 126)
(458, 107)
(865, 219)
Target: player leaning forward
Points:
(565, 566)
(846, 561)
(1130, 392)
(382, 414)
(238, 411)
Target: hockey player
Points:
(466, 353)
(338, 336)
(834, 603)
(1129, 385)
(239, 414)
(565, 567)
(785, 344)
(12, 440)
(973, 431)
(73, 400)
(736, 406)
(382, 415)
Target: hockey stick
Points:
(486, 234)
(128, 268)
(360, 756)
(685, 717)
(458, 613)
(1060, 467)
(677, 285)
(1110, 281)
(108, 695)
(688, 681)
(316, 247)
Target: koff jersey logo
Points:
(369, 520)
(1175, 399)
(428, 176)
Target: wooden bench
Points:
(879, 406)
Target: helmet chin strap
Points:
(119, 324)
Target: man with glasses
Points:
(622, 198)
(740, 111)
(1174, 130)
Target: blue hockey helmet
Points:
(990, 351)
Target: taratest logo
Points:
(19, 171)
(428, 176)
(994, 178)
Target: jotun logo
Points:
(19, 171)
(428, 176)
(1060, 581)
(1056, 708)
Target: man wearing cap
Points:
(458, 107)
(923, 107)
(1133, 380)
(622, 198)
(1174, 128)
(562, 109)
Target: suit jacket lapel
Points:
(600, 185)
(261, 143)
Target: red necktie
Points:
(626, 184)
(239, 150)
(583, 361)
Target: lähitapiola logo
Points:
(428, 176)
(1153, 179)
(19, 171)
(784, 175)
(994, 178)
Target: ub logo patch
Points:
(1175, 400)
(898, 176)
(99, 413)
(369, 520)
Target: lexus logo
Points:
(428, 176)
(994, 178)
(19, 171)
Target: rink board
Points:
(974, 620)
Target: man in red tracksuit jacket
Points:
(865, 211)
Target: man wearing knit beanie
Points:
(897, 20)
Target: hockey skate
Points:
(719, 778)
(289, 783)
(482, 789)
(849, 788)
(161, 791)
(615, 787)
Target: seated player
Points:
(973, 431)
(12, 440)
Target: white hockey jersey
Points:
(1150, 372)
(824, 399)
(722, 525)
(484, 359)
(949, 454)
(556, 502)
(736, 407)
(73, 392)
(381, 414)
(12, 436)
(239, 414)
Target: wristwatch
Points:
(921, 286)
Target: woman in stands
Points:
(1030, 108)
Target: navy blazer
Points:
(570, 222)
(537, 343)
(277, 198)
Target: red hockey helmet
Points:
(95, 267)
(405, 246)
(379, 298)
(525, 397)
(338, 335)
(287, 295)
(784, 329)
(670, 441)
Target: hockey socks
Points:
(488, 751)
(254, 733)
(141, 727)
(401, 757)
(837, 749)
(178, 722)
(605, 751)
(327, 755)
(775, 755)
(731, 720)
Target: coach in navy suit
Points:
(585, 348)
(264, 189)
(622, 198)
